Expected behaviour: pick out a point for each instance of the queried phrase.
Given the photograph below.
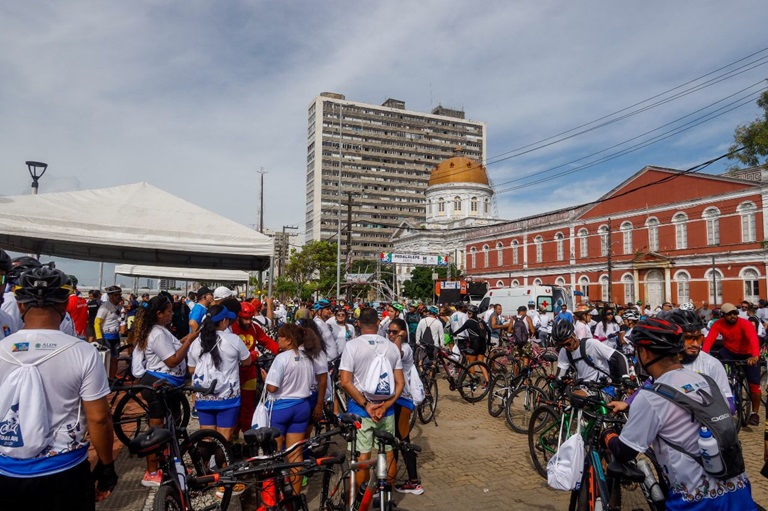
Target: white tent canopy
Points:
(164, 272)
(135, 224)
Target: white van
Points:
(510, 298)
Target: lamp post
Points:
(36, 170)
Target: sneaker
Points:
(193, 413)
(409, 487)
(237, 489)
(754, 420)
(152, 480)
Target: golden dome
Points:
(458, 170)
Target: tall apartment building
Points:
(386, 156)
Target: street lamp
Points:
(35, 167)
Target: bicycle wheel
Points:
(544, 383)
(167, 499)
(497, 395)
(428, 407)
(631, 495)
(473, 383)
(520, 406)
(205, 451)
(335, 489)
(318, 427)
(746, 402)
(500, 362)
(543, 433)
(131, 417)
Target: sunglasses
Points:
(392, 331)
(732, 313)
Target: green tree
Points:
(313, 268)
(754, 138)
(421, 286)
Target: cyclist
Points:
(477, 338)
(107, 323)
(341, 330)
(432, 323)
(394, 310)
(412, 319)
(655, 421)
(739, 343)
(581, 323)
(629, 319)
(496, 324)
(322, 310)
(78, 309)
(601, 357)
(73, 389)
(19, 266)
(607, 329)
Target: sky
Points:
(195, 97)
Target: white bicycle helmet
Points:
(687, 306)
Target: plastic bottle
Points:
(710, 452)
(657, 495)
(359, 497)
(598, 504)
(180, 473)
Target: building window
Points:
(747, 211)
(683, 287)
(499, 283)
(515, 283)
(486, 256)
(712, 217)
(560, 281)
(751, 284)
(584, 288)
(487, 206)
(715, 295)
(629, 288)
(500, 253)
(583, 244)
(681, 231)
(604, 288)
(626, 232)
(536, 282)
(441, 206)
(559, 243)
(653, 234)
(602, 231)
(473, 205)
(457, 203)
(539, 241)
(515, 256)
(473, 258)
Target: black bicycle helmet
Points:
(22, 264)
(42, 287)
(688, 320)
(658, 335)
(562, 331)
(473, 309)
(72, 280)
(6, 264)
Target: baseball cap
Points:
(727, 307)
(222, 292)
(204, 291)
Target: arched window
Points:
(653, 234)
(683, 281)
(499, 283)
(473, 205)
(487, 206)
(747, 211)
(559, 243)
(500, 253)
(583, 244)
(539, 241)
(441, 206)
(486, 257)
(457, 203)
(515, 283)
(473, 257)
(629, 288)
(626, 233)
(712, 217)
(602, 231)
(536, 282)
(515, 256)
(560, 281)
(751, 279)
(584, 287)
(716, 294)
(604, 288)
(681, 231)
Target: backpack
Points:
(25, 427)
(205, 370)
(520, 331)
(615, 371)
(428, 337)
(715, 414)
(415, 386)
(379, 382)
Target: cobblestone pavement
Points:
(469, 461)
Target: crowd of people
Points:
(213, 335)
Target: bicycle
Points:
(470, 380)
(381, 476)
(524, 396)
(329, 420)
(737, 379)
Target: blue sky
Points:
(194, 96)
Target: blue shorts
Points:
(294, 419)
(224, 418)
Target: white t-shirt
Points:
(433, 324)
(582, 330)
(264, 322)
(458, 319)
(293, 374)
(7, 324)
(597, 351)
(328, 340)
(362, 351)
(709, 365)
(74, 375)
(652, 416)
(545, 319)
(407, 358)
(232, 351)
(610, 328)
(67, 325)
(161, 345)
(110, 317)
(341, 333)
(11, 307)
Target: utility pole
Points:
(261, 230)
(610, 263)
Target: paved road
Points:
(469, 461)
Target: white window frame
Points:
(500, 253)
(515, 252)
(559, 242)
(584, 287)
(681, 231)
(751, 278)
(626, 233)
(441, 206)
(473, 257)
(539, 242)
(514, 283)
(457, 204)
(652, 224)
(487, 258)
(628, 280)
(719, 286)
(683, 280)
(604, 288)
(583, 243)
(537, 282)
(603, 233)
(499, 283)
(473, 205)
(560, 281)
(748, 212)
(712, 219)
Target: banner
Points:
(357, 278)
(413, 259)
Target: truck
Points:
(453, 291)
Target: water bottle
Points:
(598, 504)
(381, 465)
(180, 473)
(657, 495)
(710, 452)
(359, 497)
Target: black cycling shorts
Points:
(71, 490)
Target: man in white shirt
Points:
(591, 361)
(458, 319)
(322, 311)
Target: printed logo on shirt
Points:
(46, 346)
(21, 346)
(6, 330)
(10, 430)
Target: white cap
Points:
(222, 292)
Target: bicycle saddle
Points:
(261, 436)
(626, 471)
(151, 441)
(349, 418)
(384, 436)
(549, 357)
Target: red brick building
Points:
(672, 236)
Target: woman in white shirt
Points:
(289, 383)
(164, 359)
(607, 329)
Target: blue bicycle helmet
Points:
(320, 304)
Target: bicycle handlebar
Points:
(163, 387)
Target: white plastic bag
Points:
(262, 416)
(415, 386)
(565, 468)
